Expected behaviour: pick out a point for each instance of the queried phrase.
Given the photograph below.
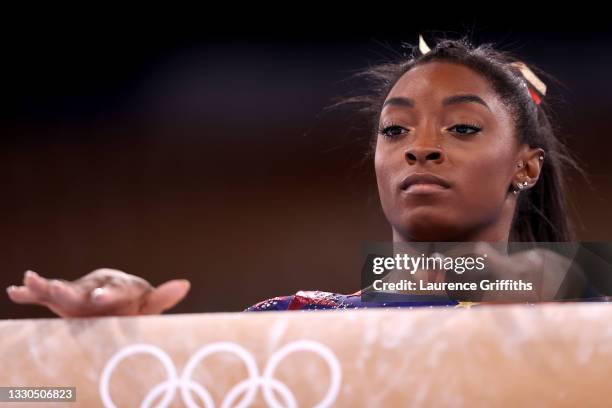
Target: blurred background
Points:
(182, 150)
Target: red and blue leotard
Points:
(317, 300)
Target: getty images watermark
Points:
(433, 265)
(486, 272)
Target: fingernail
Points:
(12, 287)
(31, 273)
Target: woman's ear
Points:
(529, 167)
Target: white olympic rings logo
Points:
(250, 385)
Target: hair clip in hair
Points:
(534, 83)
(535, 86)
(423, 47)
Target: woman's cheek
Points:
(482, 190)
(384, 186)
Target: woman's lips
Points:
(424, 183)
(425, 188)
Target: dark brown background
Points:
(208, 155)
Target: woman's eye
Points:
(391, 131)
(465, 129)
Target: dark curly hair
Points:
(541, 213)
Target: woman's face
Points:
(444, 119)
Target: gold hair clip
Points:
(532, 78)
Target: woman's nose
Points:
(422, 154)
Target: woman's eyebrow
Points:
(449, 100)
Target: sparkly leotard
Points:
(316, 300)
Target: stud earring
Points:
(520, 186)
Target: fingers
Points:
(64, 295)
(45, 292)
(34, 291)
(21, 294)
(38, 285)
(165, 296)
(102, 292)
(51, 290)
